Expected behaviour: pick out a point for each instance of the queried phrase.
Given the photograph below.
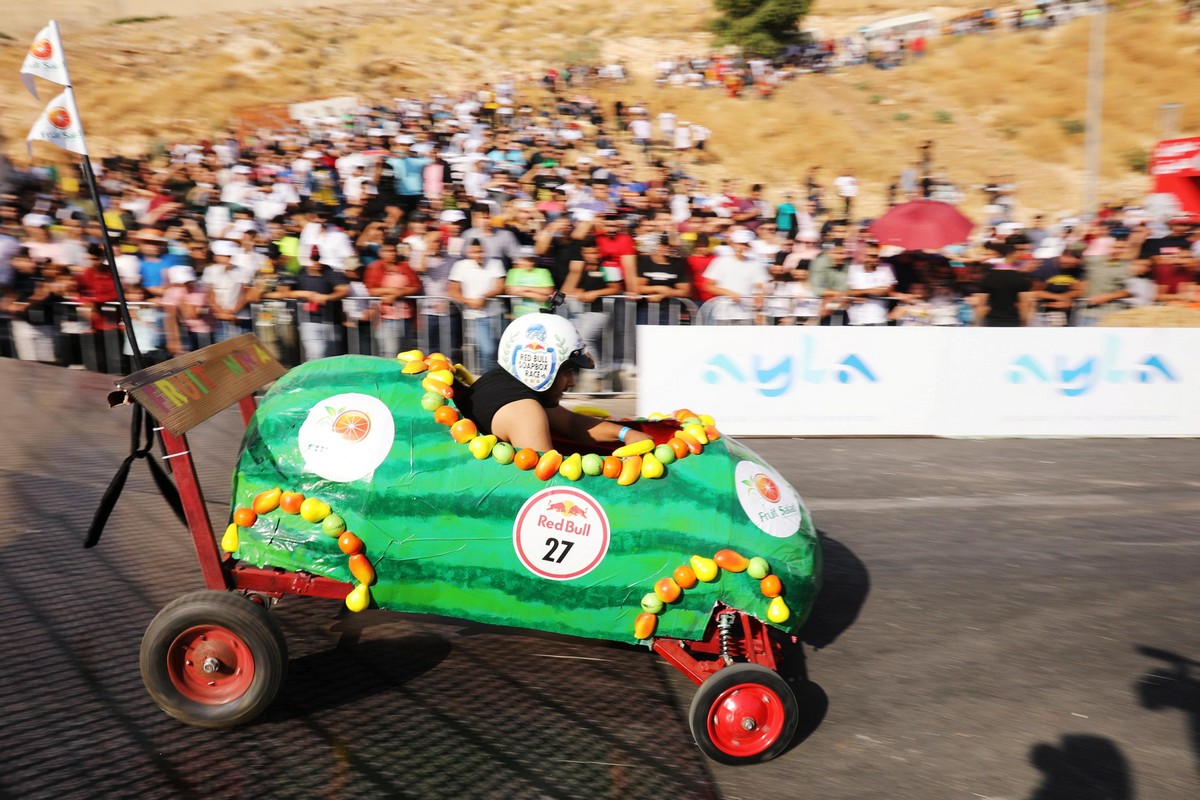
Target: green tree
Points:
(759, 27)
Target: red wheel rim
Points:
(746, 719)
(209, 664)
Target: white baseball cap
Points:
(742, 236)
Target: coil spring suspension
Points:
(728, 642)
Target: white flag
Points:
(59, 125)
(45, 59)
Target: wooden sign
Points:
(185, 391)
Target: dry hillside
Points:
(1008, 103)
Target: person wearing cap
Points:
(473, 281)
(228, 286)
(533, 285)
(519, 400)
(739, 276)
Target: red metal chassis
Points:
(730, 635)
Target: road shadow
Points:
(1175, 686)
(845, 584)
(1083, 767)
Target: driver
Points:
(518, 402)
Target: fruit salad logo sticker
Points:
(770, 503)
(59, 118)
(561, 534)
(346, 437)
(534, 361)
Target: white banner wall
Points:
(804, 381)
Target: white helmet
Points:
(535, 346)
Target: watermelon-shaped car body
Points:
(436, 528)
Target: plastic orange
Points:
(290, 502)
(464, 431)
(684, 576)
(667, 590)
(350, 544)
(771, 586)
(244, 517)
(526, 458)
(644, 625)
(446, 415)
(612, 467)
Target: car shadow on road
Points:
(1083, 767)
(1176, 686)
(845, 584)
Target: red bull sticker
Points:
(346, 436)
(561, 534)
(768, 500)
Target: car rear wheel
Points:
(743, 714)
(213, 659)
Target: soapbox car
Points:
(358, 481)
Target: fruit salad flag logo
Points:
(45, 59)
(769, 502)
(59, 125)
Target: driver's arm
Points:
(584, 429)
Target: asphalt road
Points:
(1001, 619)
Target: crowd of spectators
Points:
(440, 217)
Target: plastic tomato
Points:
(526, 458)
(350, 544)
(244, 517)
(463, 431)
(446, 415)
(684, 576)
(667, 590)
(612, 467)
(771, 586)
(290, 502)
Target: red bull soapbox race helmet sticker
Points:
(770, 503)
(346, 436)
(561, 534)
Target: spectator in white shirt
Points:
(869, 284)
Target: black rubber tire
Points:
(707, 695)
(242, 617)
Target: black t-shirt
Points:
(673, 272)
(1003, 288)
(325, 283)
(495, 389)
(1168, 244)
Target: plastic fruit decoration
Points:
(290, 502)
(664, 454)
(712, 433)
(548, 465)
(229, 542)
(463, 431)
(593, 464)
(683, 414)
(693, 445)
(445, 376)
(631, 470)
(612, 467)
(350, 544)
(592, 411)
(359, 598)
(644, 625)
(526, 458)
(705, 568)
(244, 517)
(333, 525)
(503, 453)
(268, 501)
(409, 356)
(431, 385)
(706, 420)
(440, 365)
(463, 374)
(446, 415)
(697, 433)
(414, 368)
(778, 611)
(634, 449)
(684, 576)
(667, 590)
(361, 569)
(678, 447)
(431, 401)
(652, 603)
(314, 510)
(481, 446)
(572, 467)
(758, 568)
(651, 467)
(771, 586)
(731, 561)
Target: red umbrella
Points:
(922, 225)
